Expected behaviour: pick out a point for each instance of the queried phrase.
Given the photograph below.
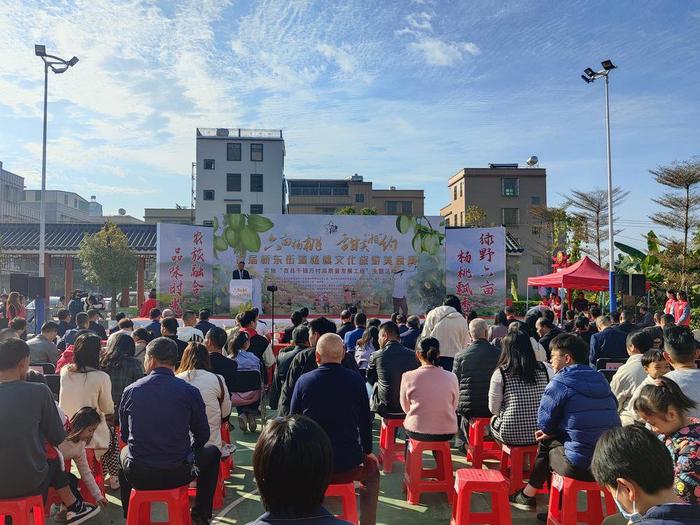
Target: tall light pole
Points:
(590, 76)
(58, 66)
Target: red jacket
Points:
(147, 306)
(670, 307)
(679, 308)
(65, 359)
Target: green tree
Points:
(474, 216)
(107, 261)
(591, 209)
(350, 210)
(681, 205)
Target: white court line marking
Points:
(224, 512)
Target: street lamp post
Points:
(58, 66)
(590, 76)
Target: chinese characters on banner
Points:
(331, 262)
(184, 275)
(476, 268)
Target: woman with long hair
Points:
(366, 346)
(14, 307)
(121, 365)
(195, 368)
(499, 328)
(83, 384)
(515, 391)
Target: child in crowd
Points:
(664, 407)
(655, 366)
(79, 431)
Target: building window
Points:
(454, 193)
(511, 216)
(256, 182)
(407, 208)
(447, 221)
(208, 164)
(233, 151)
(256, 208)
(207, 223)
(536, 230)
(536, 259)
(232, 209)
(461, 188)
(535, 199)
(359, 197)
(256, 152)
(510, 186)
(233, 182)
(208, 195)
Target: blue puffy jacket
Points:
(576, 408)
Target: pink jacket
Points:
(429, 397)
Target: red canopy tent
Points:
(582, 275)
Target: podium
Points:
(240, 294)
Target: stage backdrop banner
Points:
(476, 268)
(184, 276)
(379, 263)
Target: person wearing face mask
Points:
(636, 468)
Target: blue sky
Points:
(405, 93)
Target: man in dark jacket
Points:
(546, 332)
(153, 327)
(95, 326)
(410, 336)
(346, 324)
(609, 342)
(65, 322)
(473, 367)
(576, 409)
(203, 323)
(386, 366)
(305, 361)
(284, 361)
(626, 325)
(296, 321)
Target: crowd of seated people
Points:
(150, 403)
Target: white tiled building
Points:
(239, 171)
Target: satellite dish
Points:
(533, 161)
(122, 211)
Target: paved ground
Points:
(242, 502)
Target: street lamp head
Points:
(586, 79)
(608, 65)
(73, 61)
(39, 50)
(589, 72)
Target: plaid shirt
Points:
(129, 370)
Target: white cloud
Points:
(420, 21)
(438, 52)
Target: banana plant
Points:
(633, 260)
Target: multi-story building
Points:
(506, 193)
(239, 171)
(326, 196)
(94, 207)
(169, 215)
(11, 207)
(61, 206)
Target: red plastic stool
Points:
(564, 495)
(176, 500)
(418, 480)
(25, 511)
(478, 449)
(389, 450)
(345, 491)
(470, 480)
(513, 464)
(219, 492)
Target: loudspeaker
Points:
(621, 283)
(36, 287)
(638, 285)
(18, 283)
